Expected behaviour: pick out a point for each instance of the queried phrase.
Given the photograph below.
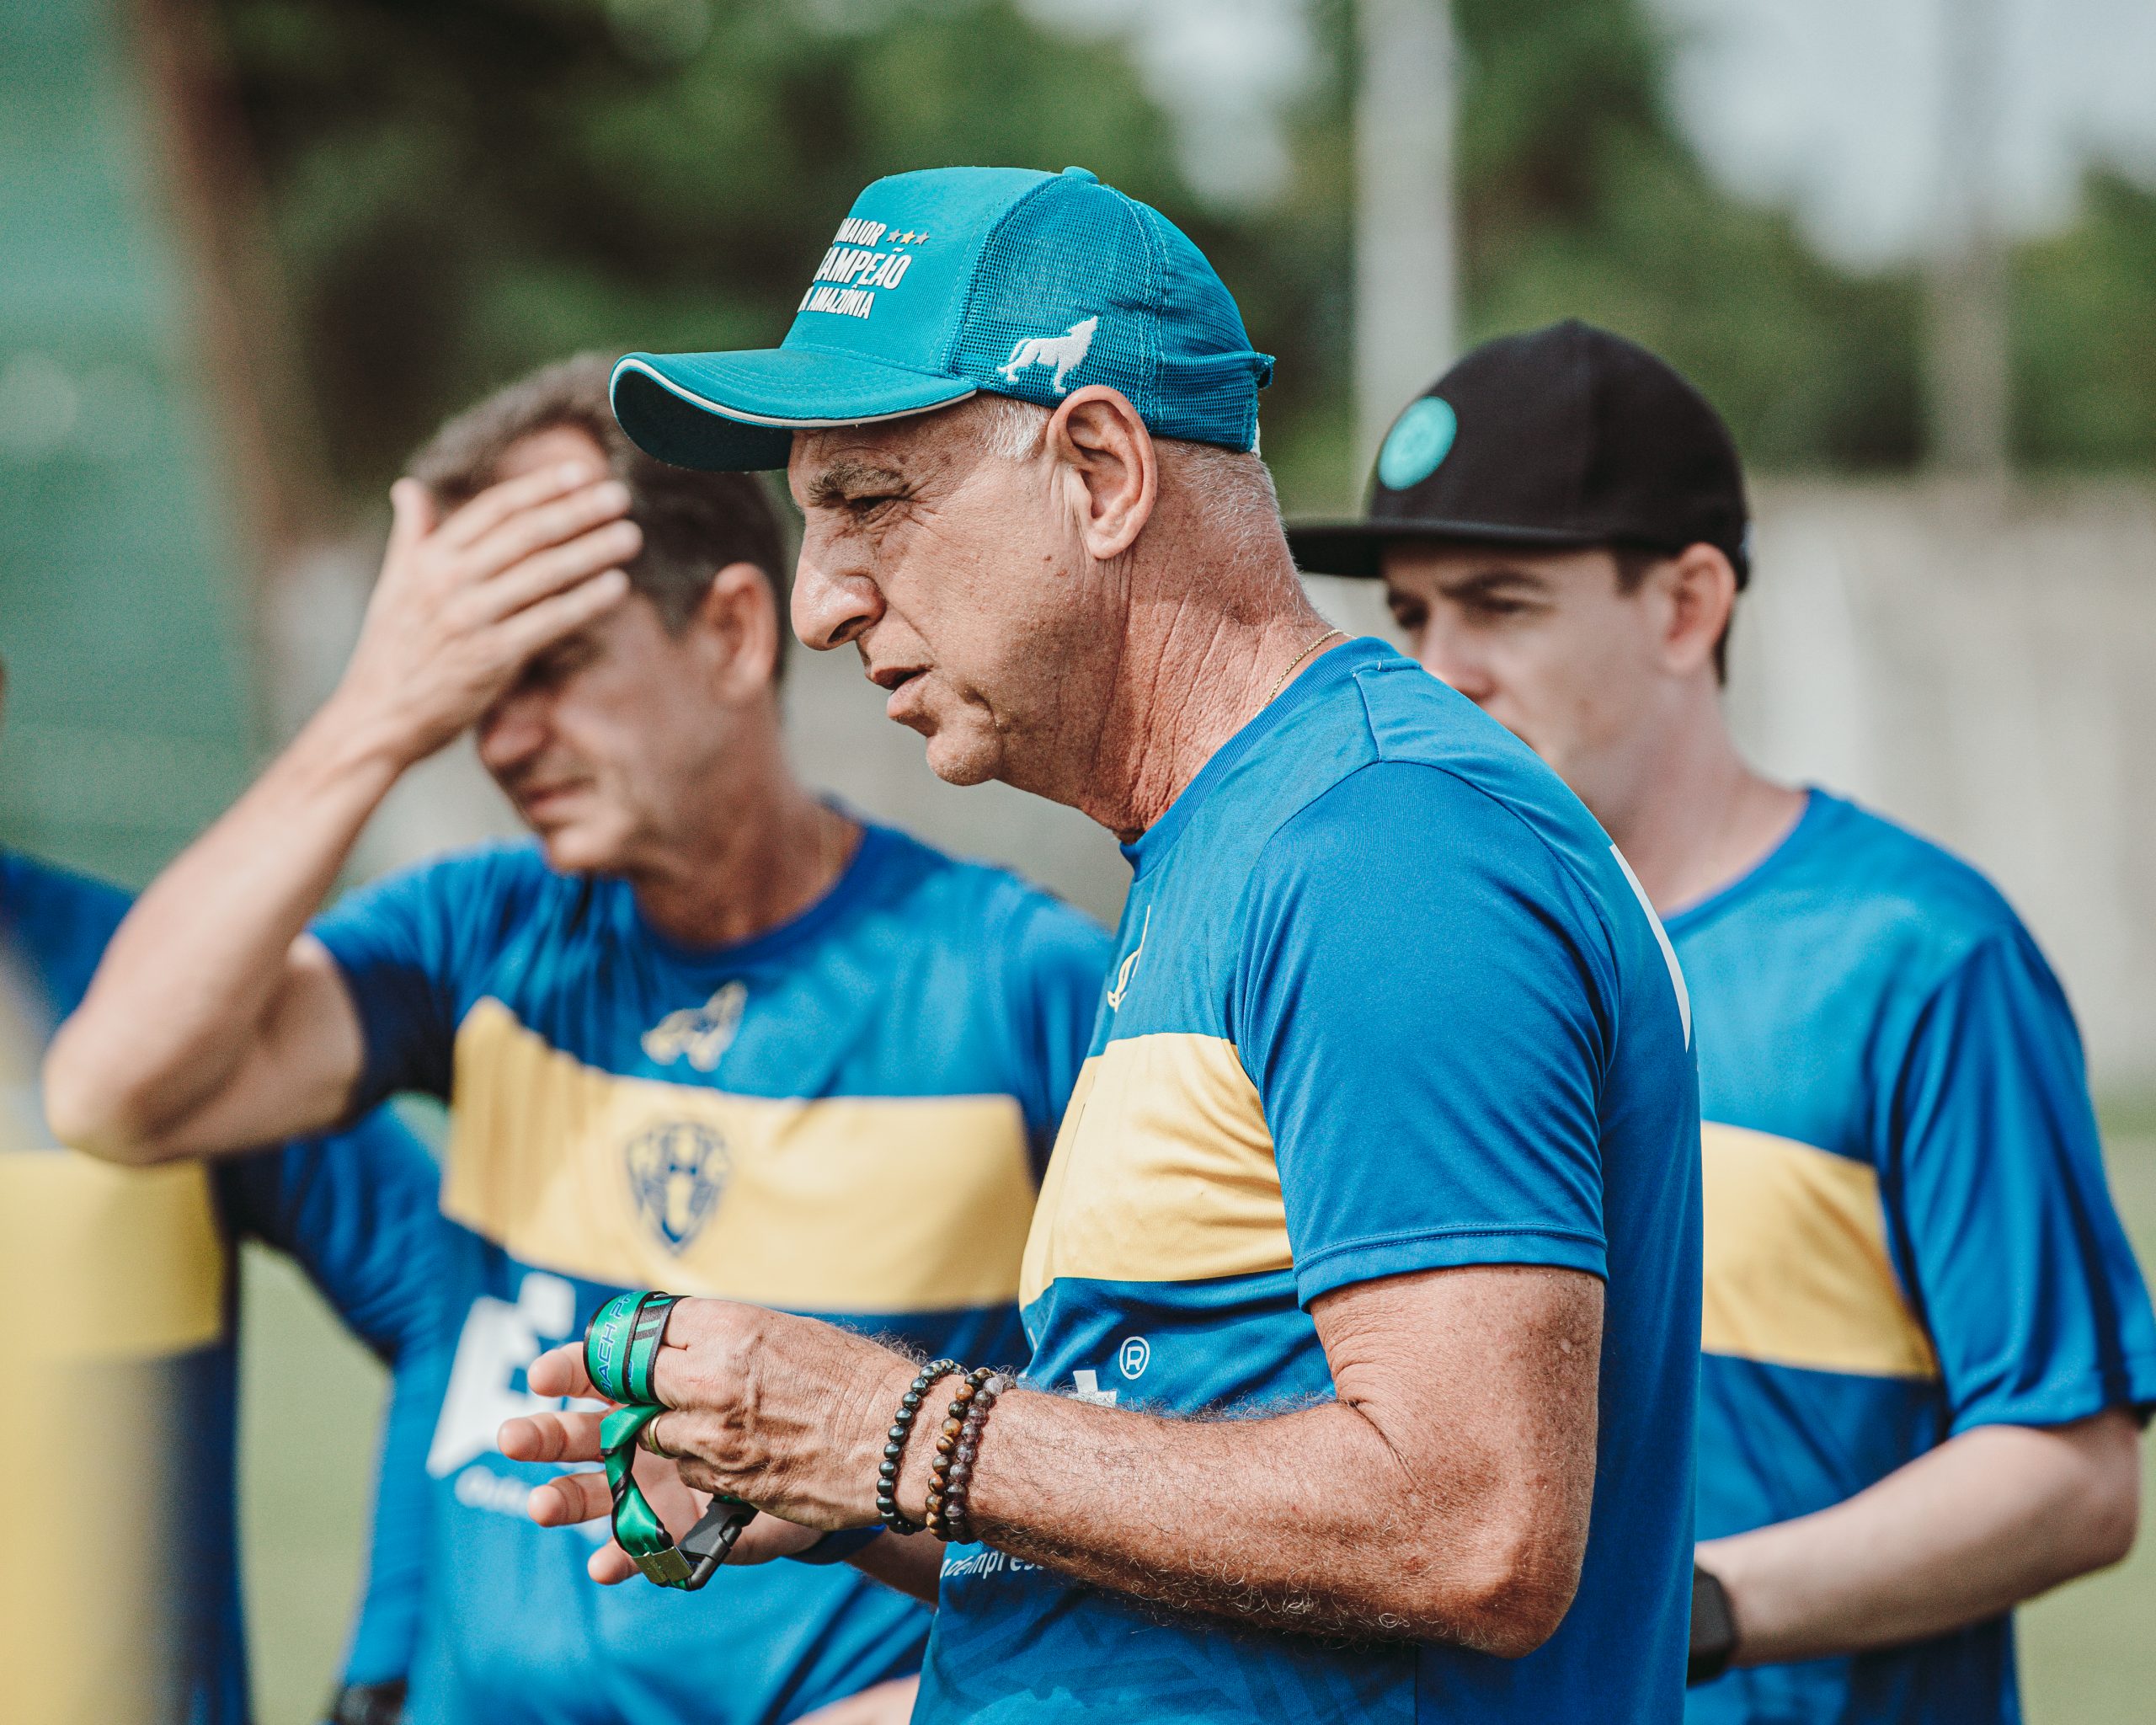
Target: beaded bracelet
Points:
(955, 1507)
(946, 1449)
(895, 1445)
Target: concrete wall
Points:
(1983, 669)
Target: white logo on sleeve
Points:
(1064, 353)
(1087, 1385)
(1122, 989)
(1662, 939)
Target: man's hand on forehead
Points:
(464, 604)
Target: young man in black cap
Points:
(1926, 1342)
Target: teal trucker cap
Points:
(943, 283)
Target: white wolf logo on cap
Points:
(1065, 352)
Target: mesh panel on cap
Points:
(1067, 252)
(1206, 373)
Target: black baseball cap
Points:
(1565, 438)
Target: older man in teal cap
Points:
(1363, 1290)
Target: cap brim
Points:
(1357, 548)
(738, 412)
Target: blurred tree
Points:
(1579, 199)
(460, 189)
(2085, 336)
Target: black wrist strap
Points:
(1714, 1629)
(837, 1547)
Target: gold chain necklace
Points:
(1297, 663)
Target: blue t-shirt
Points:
(1908, 1230)
(844, 1117)
(1387, 1001)
(137, 1266)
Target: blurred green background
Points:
(458, 191)
(251, 251)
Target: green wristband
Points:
(621, 1344)
(620, 1348)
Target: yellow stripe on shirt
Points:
(843, 1205)
(1163, 1171)
(105, 1264)
(98, 1264)
(1797, 1269)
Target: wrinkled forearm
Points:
(1442, 1494)
(1306, 1521)
(1989, 1519)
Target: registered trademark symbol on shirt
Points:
(1135, 1355)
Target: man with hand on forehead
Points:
(703, 1030)
(1927, 1345)
(1363, 1286)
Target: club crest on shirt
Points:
(677, 1172)
(699, 1034)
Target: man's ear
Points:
(1103, 449)
(1702, 588)
(739, 613)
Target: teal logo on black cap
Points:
(1420, 439)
